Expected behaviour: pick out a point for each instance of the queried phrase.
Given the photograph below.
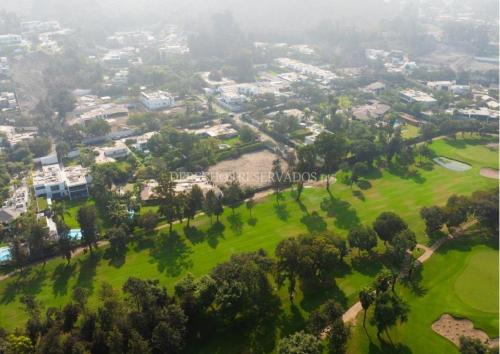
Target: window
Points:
(54, 188)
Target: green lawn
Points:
(472, 151)
(460, 279)
(200, 250)
(409, 131)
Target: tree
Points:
(366, 298)
(389, 310)
(218, 207)
(233, 194)
(339, 334)
(457, 210)
(472, 346)
(169, 335)
(167, 199)
(97, 127)
(332, 148)
(358, 170)
(38, 237)
(87, 219)
(65, 242)
(277, 178)
(404, 242)
(434, 218)
(327, 314)
(485, 206)
(300, 343)
(362, 237)
(148, 221)
(117, 237)
(250, 205)
(387, 225)
(18, 253)
(243, 286)
(18, 344)
(194, 203)
(209, 204)
(288, 264)
(306, 166)
(247, 134)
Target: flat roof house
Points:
(413, 96)
(157, 100)
(54, 181)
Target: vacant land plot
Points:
(453, 281)
(253, 169)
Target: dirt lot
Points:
(253, 170)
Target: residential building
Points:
(413, 96)
(16, 205)
(375, 88)
(221, 131)
(54, 181)
(481, 113)
(157, 100)
(311, 71)
(440, 85)
(141, 142)
(104, 111)
(107, 154)
(372, 110)
(40, 26)
(13, 137)
(4, 67)
(10, 40)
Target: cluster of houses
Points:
(394, 61)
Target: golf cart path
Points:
(351, 314)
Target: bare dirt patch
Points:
(253, 170)
(492, 146)
(452, 329)
(489, 173)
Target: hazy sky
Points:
(251, 14)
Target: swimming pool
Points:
(75, 234)
(450, 164)
(5, 254)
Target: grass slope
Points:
(460, 279)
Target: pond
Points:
(450, 164)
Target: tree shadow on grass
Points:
(60, 278)
(292, 322)
(359, 194)
(215, 232)
(367, 265)
(317, 294)
(372, 173)
(363, 184)
(426, 165)
(346, 216)
(281, 211)
(405, 173)
(116, 255)
(171, 254)
(88, 268)
(314, 222)
(252, 221)
(388, 348)
(236, 223)
(194, 235)
(30, 282)
(414, 282)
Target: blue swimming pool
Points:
(5, 254)
(75, 234)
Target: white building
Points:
(4, 67)
(141, 142)
(54, 181)
(10, 40)
(413, 96)
(157, 100)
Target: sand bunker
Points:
(489, 172)
(452, 329)
(450, 164)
